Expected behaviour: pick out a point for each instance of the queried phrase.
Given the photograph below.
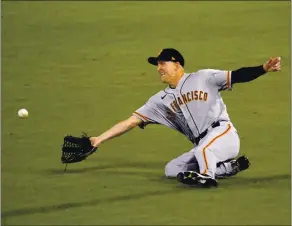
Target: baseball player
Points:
(192, 105)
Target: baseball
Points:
(22, 113)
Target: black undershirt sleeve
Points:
(246, 74)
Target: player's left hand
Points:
(76, 149)
(273, 64)
(95, 141)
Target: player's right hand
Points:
(273, 64)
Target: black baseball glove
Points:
(76, 149)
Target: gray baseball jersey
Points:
(192, 106)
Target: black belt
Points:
(202, 135)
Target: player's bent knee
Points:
(171, 170)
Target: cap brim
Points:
(152, 60)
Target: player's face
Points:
(167, 71)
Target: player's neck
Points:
(176, 79)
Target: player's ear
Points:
(177, 65)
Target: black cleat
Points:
(238, 165)
(194, 178)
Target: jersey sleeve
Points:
(221, 79)
(147, 114)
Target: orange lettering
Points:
(176, 105)
(205, 96)
(196, 94)
(184, 98)
(173, 106)
(200, 97)
(179, 101)
(188, 96)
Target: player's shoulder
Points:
(157, 96)
(204, 74)
(206, 71)
(201, 74)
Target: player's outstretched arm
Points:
(247, 74)
(117, 130)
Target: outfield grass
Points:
(81, 66)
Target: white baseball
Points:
(22, 113)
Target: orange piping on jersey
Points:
(228, 79)
(204, 149)
(142, 116)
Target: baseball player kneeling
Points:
(192, 105)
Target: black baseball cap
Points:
(168, 54)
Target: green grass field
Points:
(81, 66)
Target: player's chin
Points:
(162, 79)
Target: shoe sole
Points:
(192, 178)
